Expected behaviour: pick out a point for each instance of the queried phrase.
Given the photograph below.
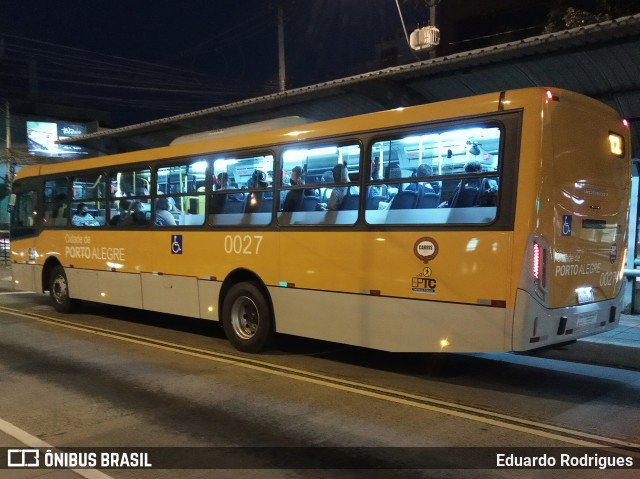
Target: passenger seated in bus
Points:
(423, 171)
(325, 193)
(83, 218)
(163, 216)
(257, 202)
(119, 217)
(135, 215)
(172, 202)
(341, 176)
(488, 192)
(467, 191)
(293, 200)
(59, 213)
(217, 201)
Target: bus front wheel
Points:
(246, 318)
(59, 291)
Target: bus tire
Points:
(59, 291)
(247, 319)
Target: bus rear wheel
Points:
(59, 291)
(246, 318)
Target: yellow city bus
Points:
(490, 223)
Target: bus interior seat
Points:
(218, 203)
(404, 200)
(292, 201)
(233, 204)
(350, 201)
(373, 202)
(465, 197)
(310, 203)
(428, 200)
(258, 202)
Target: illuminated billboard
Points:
(42, 137)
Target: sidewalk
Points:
(618, 348)
(627, 334)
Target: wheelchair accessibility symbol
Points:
(566, 225)
(176, 244)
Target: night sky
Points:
(143, 60)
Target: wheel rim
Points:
(244, 317)
(60, 290)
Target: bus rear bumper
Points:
(535, 326)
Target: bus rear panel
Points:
(571, 283)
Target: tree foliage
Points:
(566, 14)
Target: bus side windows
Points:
(242, 191)
(181, 193)
(89, 205)
(131, 190)
(310, 191)
(437, 176)
(470, 192)
(24, 213)
(56, 202)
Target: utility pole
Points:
(281, 63)
(7, 122)
(432, 11)
(9, 160)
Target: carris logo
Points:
(425, 249)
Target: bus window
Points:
(56, 202)
(315, 185)
(436, 177)
(181, 194)
(24, 213)
(243, 191)
(88, 205)
(133, 205)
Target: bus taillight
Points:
(535, 261)
(538, 257)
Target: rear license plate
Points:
(585, 295)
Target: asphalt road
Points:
(111, 377)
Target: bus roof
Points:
(298, 130)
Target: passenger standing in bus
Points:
(341, 176)
(222, 181)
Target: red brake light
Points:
(536, 261)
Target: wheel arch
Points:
(47, 269)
